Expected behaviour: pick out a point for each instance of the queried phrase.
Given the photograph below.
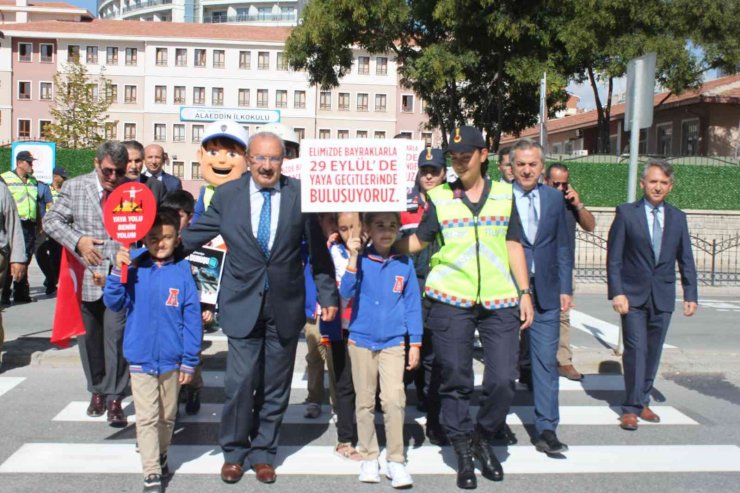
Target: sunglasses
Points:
(560, 184)
(108, 172)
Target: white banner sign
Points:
(411, 152)
(353, 175)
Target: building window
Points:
(379, 134)
(178, 132)
(381, 102)
(129, 131)
(407, 103)
(24, 129)
(300, 133)
(217, 96)
(381, 66)
(664, 138)
(129, 94)
(343, 101)
(363, 65)
(73, 53)
(643, 149)
(47, 53)
(299, 100)
(325, 100)
(181, 57)
(613, 145)
(45, 90)
(197, 133)
(94, 91)
(282, 61)
(111, 131)
(690, 137)
(261, 98)
(427, 138)
(219, 58)
(25, 52)
(160, 94)
(160, 132)
(111, 55)
(24, 90)
(111, 92)
(161, 57)
(245, 60)
(362, 102)
(324, 133)
(91, 55)
(179, 97)
(243, 97)
(178, 169)
(200, 57)
(405, 135)
(199, 95)
(263, 60)
(342, 134)
(281, 98)
(131, 56)
(361, 134)
(195, 170)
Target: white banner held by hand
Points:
(353, 175)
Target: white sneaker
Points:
(400, 478)
(369, 471)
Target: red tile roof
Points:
(51, 5)
(99, 27)
(717, 90)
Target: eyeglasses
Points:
(560, 184)
(264, 159)
(108, 172)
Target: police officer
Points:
(24, 189)
(470, 286)
(49, 252)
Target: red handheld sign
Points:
(129, 214)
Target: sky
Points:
(91, 5)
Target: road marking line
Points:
(95, 458)
(7, 383)
(518, 415)
(600, 329)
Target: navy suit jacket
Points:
(631, 266)
(240, 296)
(553, 262)
(170, 182)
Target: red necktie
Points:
(104, 198)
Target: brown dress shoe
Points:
(97, 405)
(115, 414)
(231, 473)
(628, 421)
(569, 372)
(265, 473)
(647, 414)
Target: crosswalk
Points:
(314, 456)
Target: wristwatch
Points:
(580, 207)
(525, 291)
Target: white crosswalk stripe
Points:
(7, 383)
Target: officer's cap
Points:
(466, 139)
(432, 157)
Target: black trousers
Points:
(21, 288)
(101, 350)
(345, 392)
(259, 370)
(453, 331)
(49, 256)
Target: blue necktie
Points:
(657, 234)
(531, 219)
(263, 231)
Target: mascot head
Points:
(222, 153)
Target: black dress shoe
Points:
(22, 300)
(490, 466)
(436, 435)
(506, 435)
(548, 443)
(192, 402)
(525, 378)
(466, 479)
(97, 405)
(5, 301)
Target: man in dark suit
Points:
(547, 250)
(136, 164)
(646, 239)
(261, 299)
(154, 160)
(76, 221)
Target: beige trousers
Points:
(565, 354)
(155, 399)
(3, 273)
(316, 357)
(367, 365)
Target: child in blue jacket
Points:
(386, 308)
(162, 337)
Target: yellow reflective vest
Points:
(25, 194)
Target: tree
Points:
(470, 60)
(80, 107)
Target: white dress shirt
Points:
(255, 202)
(649, 213)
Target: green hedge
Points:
(696, 187)
(74, 161)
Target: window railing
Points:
(221, 19)
(145, 5)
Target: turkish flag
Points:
(67, 314)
